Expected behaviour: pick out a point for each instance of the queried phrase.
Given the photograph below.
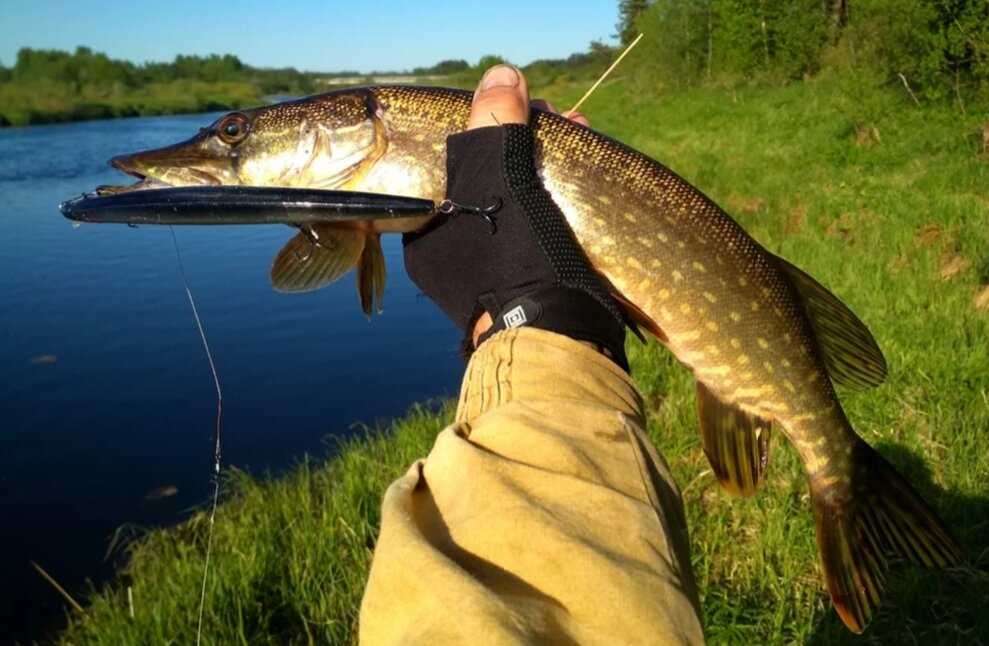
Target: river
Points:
(105, 390)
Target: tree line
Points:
(935, 49)
(85, 68)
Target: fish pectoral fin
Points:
(371, 275)
(882, 515)
(315, 258)
(851, 355)
(639, 318)
(735, 442)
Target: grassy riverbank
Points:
(884, 202)
(49, 102)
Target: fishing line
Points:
(216, 452)
(600, 80)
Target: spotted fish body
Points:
(763, 339)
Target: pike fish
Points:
(763, 339)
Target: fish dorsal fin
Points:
(315, 258)
(851, 355)
(735, 442)
(371, 275)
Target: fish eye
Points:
(233, 128)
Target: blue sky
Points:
(315, 35)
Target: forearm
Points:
(542, 515)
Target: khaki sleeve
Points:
(543, 515)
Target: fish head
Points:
(327, 141)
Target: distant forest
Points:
(46, 86)
(934, 51)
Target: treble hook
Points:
(313, 239)
(449, 207)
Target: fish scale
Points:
(763, 339)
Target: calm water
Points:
(127, 403)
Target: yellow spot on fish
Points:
(712, 350)
(689, 335)
(754, 305)
(690, 359)
(685, 308)
(735, 343)
(719, 370)
(604, 199)
(747, 376)
(711, 325)
(776, 407)
(664, 293)
(817, 462)
(662, 237)
(746, 393)
(607, 240)
(805, 417)
(633, 263)
(710, 297)
(645, 242)
(787, 337)
(743, 359)
(785, 363)
(596, 250)
(630, 217)
(768, 367)
(677, 276)
(600, 222)
(789, 386)
(742, 282)
(420, 137)
(735, 316)
(821, 441)
(762, 343)
(681, 244)
(644, 285)
(655, 264)
(698, 266)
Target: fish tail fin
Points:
(883, 514)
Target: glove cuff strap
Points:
(568, 311)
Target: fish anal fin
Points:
(315, 258)
(639, 317)
(371, 274)
(854, 533)
(736, 443)
(851, 355)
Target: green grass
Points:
(879, 220)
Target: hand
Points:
(503, 97)
(525, 256)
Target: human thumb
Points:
(501, 97)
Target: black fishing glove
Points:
(502, 246)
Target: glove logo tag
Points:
(515, 317)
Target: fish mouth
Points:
(159, 169)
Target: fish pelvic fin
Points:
(850, 353)
(884, 515)
(371, 274)
(736, 443)
(637, 318)
(315, 257)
